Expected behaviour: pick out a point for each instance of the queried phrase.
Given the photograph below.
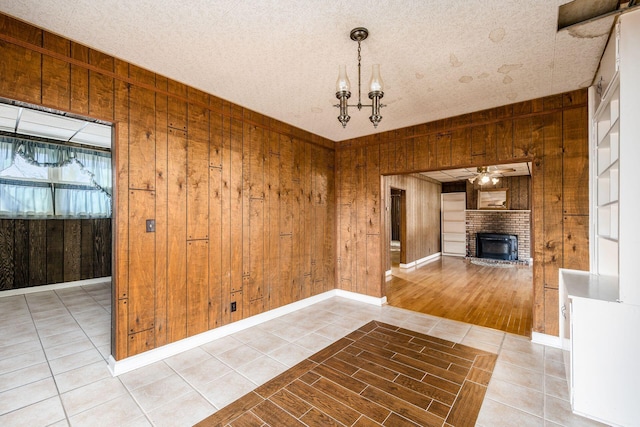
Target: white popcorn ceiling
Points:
(280, 57)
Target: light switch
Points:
(151, 226)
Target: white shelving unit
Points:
(454, 231)
(600, 309)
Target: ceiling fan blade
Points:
(507, 170)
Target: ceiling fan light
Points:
(484, 179)
(495, 180)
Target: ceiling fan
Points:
(486, 174)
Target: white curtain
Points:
(82, 202)
(26, 197)
(24, 200)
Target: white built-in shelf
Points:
(582, 284)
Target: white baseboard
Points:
(53, 287)
(387, 273)
(118, 367)
(424, 260)
(545, 339)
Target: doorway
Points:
(398, 226)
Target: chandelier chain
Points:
(359, 90)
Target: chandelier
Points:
(343, 86)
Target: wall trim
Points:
(53, 287)
(546, 339)
(424, 260)
(118, 367)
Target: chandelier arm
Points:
(359, 60)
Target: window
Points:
(40, 179)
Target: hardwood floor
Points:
(377, 375)
(452, 287)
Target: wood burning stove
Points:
(497, 246)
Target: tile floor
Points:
(54, 345)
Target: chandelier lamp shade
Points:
(343, 86)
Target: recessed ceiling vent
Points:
(580, 11)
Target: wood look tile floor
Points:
(453, 288)
(53, 370)
(379, 374)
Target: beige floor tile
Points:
(8, 339)
(522, 398)
(264, 341)
(188, 358)
(333, 332)
(456, 331)
(239, 356)
(314, 342)
(81, 376)
(160, 392)
(522, 344)
(290, 332)
(145, 375)
(47, 412)
(525, 360)
(184, 411)
(226, 389)
(221, 345)
(519, 375)
(554, 354)
(290, 355)
(24, 376)
(556, 387)
(67, 349)
(489, 336)
(480, 345)
(22, 361)
(559, 411)
(75, 360)
(555, 369)
(262, 369)
(63, 338)
(495, 414)
(26, 395)
(115, 412)
(202, 373)
(20, 348)
(91, 395)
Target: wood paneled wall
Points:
(37, 252)
(421, 216)
(551, 132)
(244, 205)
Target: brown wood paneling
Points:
(141, 262)
(142, 139)
(72, 246)
(55, 251)
(236, 216)
(461, 147)
(101, 102)
(21, 254)
(552, 199)
(79, 80)
(215, 247)
(140, 341)
(176, 235)
(7, 265)
(575, 160)
(21, 68)
(576, 242)
(86, 249)
(197, 286)
(37, 252)
(102, 247)
(56, 81)
(198, 173)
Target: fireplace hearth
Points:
(497, 246)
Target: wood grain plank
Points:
(21, 68)
(79, 80)
(197, 286)
(177, 235)
(215, 247)
(142, 139)
(38, 252)
(56, 74)
(471, 394)
(72, 247)
(141, 264)
(55, 251)
(101, 102)
(86, 249)
(7, 250)
(575, 161)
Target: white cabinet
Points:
(454, 240)
(600, 335)
(600, 310)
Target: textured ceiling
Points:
(280, 57)
(451, 175)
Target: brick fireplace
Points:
(516, 222)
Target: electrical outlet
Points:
(151, 225)
(233, 307)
